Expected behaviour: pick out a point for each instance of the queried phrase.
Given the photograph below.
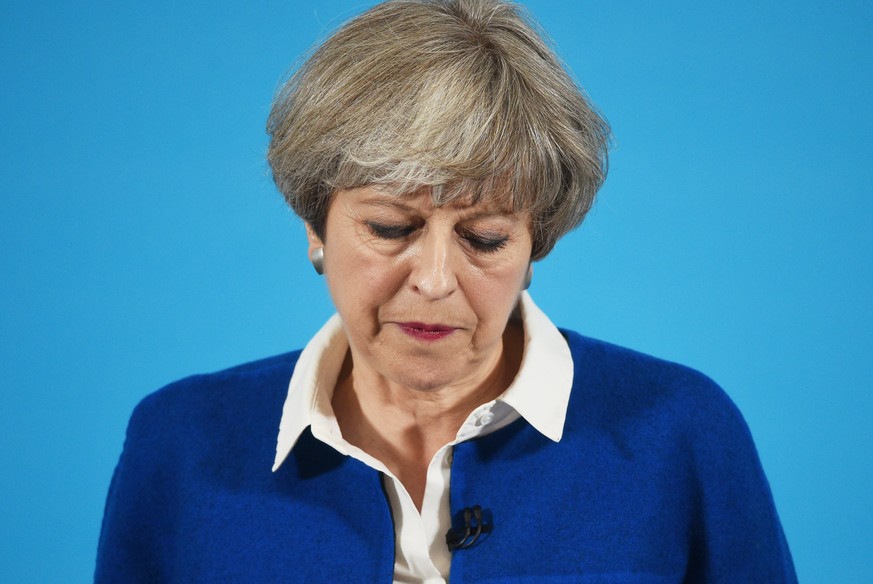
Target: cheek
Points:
(495, 294)
(361, 282)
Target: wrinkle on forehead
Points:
(493, 192)
(421, 201)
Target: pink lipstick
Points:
(427, 332)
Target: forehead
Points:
(423, 201)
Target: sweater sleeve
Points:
(737, 536)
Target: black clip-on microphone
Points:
(458, 539)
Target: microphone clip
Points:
(474, 526)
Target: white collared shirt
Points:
(540, 394)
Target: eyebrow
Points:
(394, 202)
(375, 201)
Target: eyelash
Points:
(483, 243)
(389, 231)
(478, 242)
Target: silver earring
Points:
(528, 277)
(317, 259)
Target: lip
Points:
(426, 332)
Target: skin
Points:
(391, 261)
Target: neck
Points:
(405, 427)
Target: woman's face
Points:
(424, 292)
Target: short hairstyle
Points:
(464, 97)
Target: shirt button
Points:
(486, 419)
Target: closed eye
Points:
(384, 231)
(485, 243)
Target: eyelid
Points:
(484, 242)
(483, 234)
(389, 230)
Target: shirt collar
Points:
(541, 389)
(540, 392)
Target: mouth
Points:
(427, 332)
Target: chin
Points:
(423, 376)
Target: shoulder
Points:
(603, 360)
(221, 399)
(223, 422)
(661, 415)
(666, 432)
(188, 444)
(624, 388)
(231, 383)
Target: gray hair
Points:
(463, 97)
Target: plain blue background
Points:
(141, 238)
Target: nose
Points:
(433, 274)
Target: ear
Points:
(313, 238)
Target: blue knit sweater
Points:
(656, 480)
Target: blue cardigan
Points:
(656, 480)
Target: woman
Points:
(440, 426)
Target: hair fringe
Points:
(463, 97)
